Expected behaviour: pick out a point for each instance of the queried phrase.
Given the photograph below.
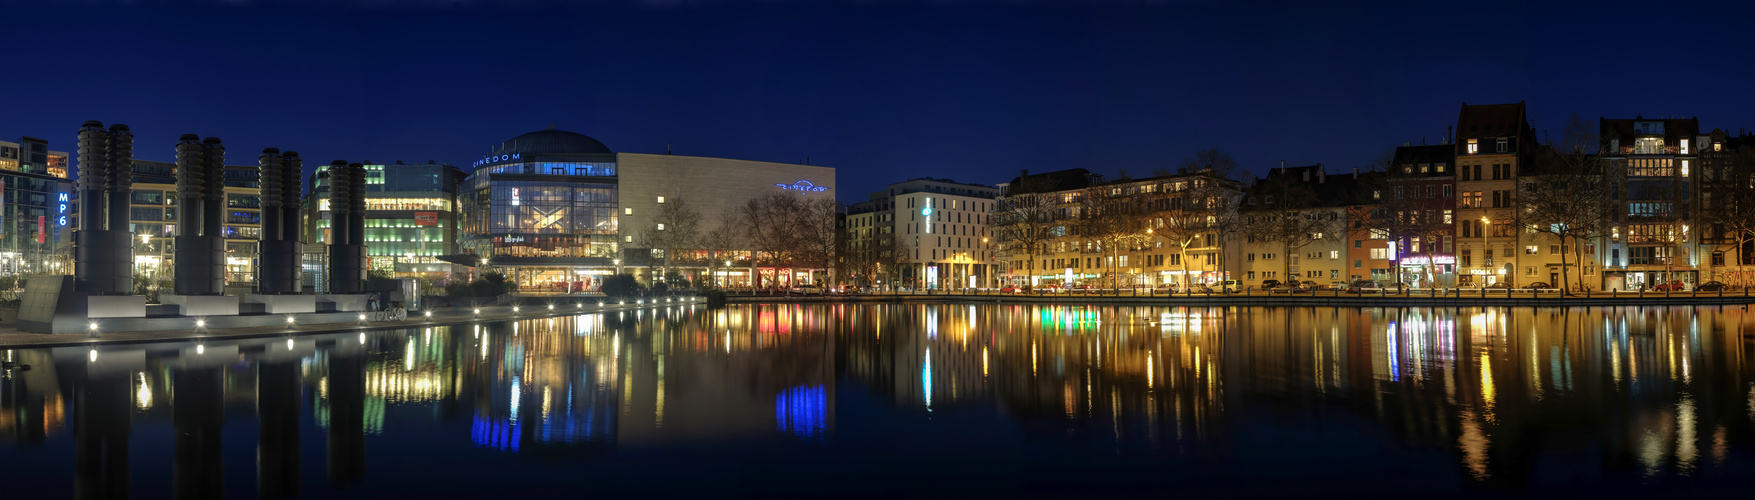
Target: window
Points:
(1447, 243)
(661, 200)
(1553, 249)
(1358, 243)
(1504, 144)
(1251, 274)
(627, 211)
(1358, 263)
(1334, 254)
(661, 226)
(1447, 215)
(1379, 254)
(1447, 189)
(1398, 192)
(629, 239)
(1474, 146)
(1718, 258)
(1530, 250)
(1529, 271)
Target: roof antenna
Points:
(666, 148)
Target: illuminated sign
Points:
(514, 239)
(60, 198)
(514, 197)
(927, 213)
(493, 159)
(802, 185)
(426, 218)
(932, 276)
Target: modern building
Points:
(559, 210)
(32, 225)
(1654, 240)
(153, 215)
(924, 233)
(411, 217)
(1493, 143)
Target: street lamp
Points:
(1484, 223)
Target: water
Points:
(907, 401)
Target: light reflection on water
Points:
(1460, 398)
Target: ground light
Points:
(514, 308)
(289, 320)
(362, 317)
(94, 325)
(551, 307)
(478, 312)
(429, 314)
(599, 303)
(200, 323)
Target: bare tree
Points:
(1292, 216)
(1399, 210)
(773, 231)
(1568, 196)
(722, 240)
(1216, 190)
(1023, 221)
(674, 229)
(820, 233)
(1729, 207)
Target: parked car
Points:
(844, 290)
(1229, 285)
(1672, 286)
(1710, 286)
(1012, 289)
(1270, 284)
(1360, 286)
(1305, 286)
(1499, 286)
(807, 290)
(1539, 284)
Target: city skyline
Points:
(883, 92)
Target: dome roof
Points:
(552, 141)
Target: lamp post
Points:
(1484, 223)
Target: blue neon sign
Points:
(499, 158)
(62, 218)
(802, 185)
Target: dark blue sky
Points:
(883, 91)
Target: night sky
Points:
(884, 91)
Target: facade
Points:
(153, 215)
(411, 217)
(1295, 224)
(1166, 230)
(32, 224)
(1726, 164)
(925, 233)
(1657, 213)
(1493, 143)
(1422, 190)
(559, 210)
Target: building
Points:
(924, 233)
(1493, 143)
(411, 217)
(1726, 164)
(1073, 228)
(33, 215)
(559, 210)
(1654, 240)
(1296, 226)
(1419, 194)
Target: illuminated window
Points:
(660, 226)
(1474, 146)
(627, 211)
(1684, 146)
(661, 199)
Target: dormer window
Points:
(1504, 144)
(1474, 146)
(1684, 145)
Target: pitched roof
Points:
(1060, 180)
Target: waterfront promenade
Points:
(10, 337)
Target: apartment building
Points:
(1493, 143)
(1295, 224)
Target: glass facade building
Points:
(33, 230)
(411, 217)
(545, 204)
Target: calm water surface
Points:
(907, 401)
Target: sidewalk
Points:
(11, 338)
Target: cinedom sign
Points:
(496, 159)
(802, 185)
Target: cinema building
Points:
(558, 211)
